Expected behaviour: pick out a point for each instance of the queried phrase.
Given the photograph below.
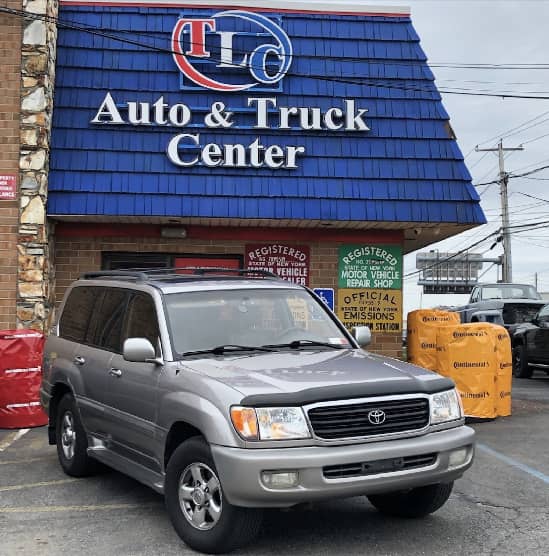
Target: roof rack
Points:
(139, 276)
(197, 272)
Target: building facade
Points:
(302, 137)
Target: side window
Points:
(543, 315)
(106, 331)
(142, 320)
(77, 312)
(475, 296)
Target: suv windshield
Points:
(205, 320)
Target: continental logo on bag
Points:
(471, 364)
(436, 319)
(426, 345)
(505, 394)
(505, 365)
(477, 334)
(475, 395)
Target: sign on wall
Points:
(290, 262)
(8, 187)
(381, 310)
(370, 266)
(327, 296)
(370, 287)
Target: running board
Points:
(128, 467)
(539, 366)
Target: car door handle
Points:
(78, 360)
(115, 372)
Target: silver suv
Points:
(233, 391)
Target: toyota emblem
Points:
(376, 416)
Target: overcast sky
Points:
(492, 32)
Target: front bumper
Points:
(240, 469)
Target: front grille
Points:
(379, 466)
(351, 420)
(516, 313)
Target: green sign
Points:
(370, 266)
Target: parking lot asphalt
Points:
(500, 507)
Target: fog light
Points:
(280, 479)
(458, 458)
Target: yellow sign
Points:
(381, 310)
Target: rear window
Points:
(76, 316)
(108, 319)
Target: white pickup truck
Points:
(501, 303)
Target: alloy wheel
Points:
(200, 496)
(68, 435)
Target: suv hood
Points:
(306, 376)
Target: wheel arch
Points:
(178, 433)
(58, 391)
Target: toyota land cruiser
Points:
(233, 391)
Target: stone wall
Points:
(34, 250)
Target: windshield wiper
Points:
(219, 350)
(301, 343)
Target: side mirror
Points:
(362, 335)
(139, 350)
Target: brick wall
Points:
(10, 101)
(75, 256)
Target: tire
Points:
(71, 440)
(222, 530)
(520, 362)
(413, 503)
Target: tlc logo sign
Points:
(246, 49)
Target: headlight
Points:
(445, 406)
(270, 423)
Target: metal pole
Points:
(507, 257)
(507, 270)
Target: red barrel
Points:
(20, 376)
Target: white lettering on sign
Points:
(370, 251)
(188, 149)
(310, 119)
(290, 262)
(8, 187)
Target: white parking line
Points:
(13, 437)
(27, 460)
(96, 507)
(32, 485)
(514, 463)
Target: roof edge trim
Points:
(356, 7)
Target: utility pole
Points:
(507, 270)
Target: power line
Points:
(453, 256)
(536, 139)
(533, 197)
(505, 134)
(534, 171)
(351, 80)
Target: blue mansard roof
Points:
(407, 169)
